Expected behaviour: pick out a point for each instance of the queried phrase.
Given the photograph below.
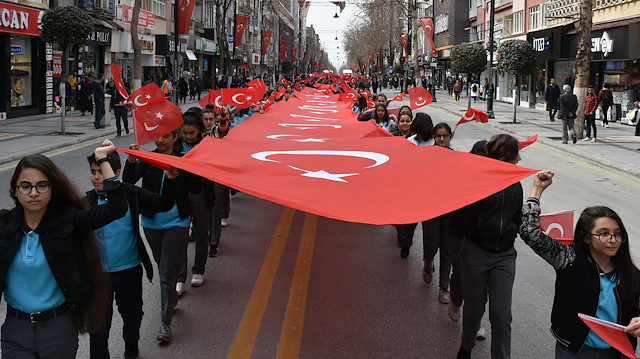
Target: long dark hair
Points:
(627, 272)
(384, 119)
(422, 125)
(90, 315)
(503, 147)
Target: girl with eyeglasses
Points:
(50, 272)
(594, 275)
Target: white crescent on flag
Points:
(137, 103)
(235, 98)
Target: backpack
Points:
(474, 88)
(607, 98)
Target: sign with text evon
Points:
(146, 19)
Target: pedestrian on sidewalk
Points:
(590, 107)
(567, 107)
(183, 87)
(120, 112)
(551, 96)
(605, 99)
(474, 91)
(98, 98)
(84, 97)
(595, 275)
(457, 88)
(73, 82)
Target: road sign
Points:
(230, 39)
(407, 67)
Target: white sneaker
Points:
(606, 126)
(481, 334)
(593, 139)
(224, 222)
(197, 280)
(180, 288)
(454, 312)
(586, 138)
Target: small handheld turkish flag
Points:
(419, 97)
(523, 144)
(612, 333)
(473, 115)
(371, 103)
(558, 225)
(241, 97)
(154, 116)
(366, 93)
(214, 97)
(394, 113)
(399, 97)
(117, 80)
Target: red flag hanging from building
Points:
(293, 56)
(370, 59)
(405, 44)
(185, 9)
(306, 58)
(419, 97)
(283, 49)
(427, 26)
(266, 39)
(378, 52)
(241, 24)
(154, 116)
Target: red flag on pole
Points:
(241, 24)
(185, 9)
(419, 97)
(214, 97)
(612, 333)
(523, 144)
(117, 80)
(283, 49)
(405, 44)
(370, 59)
(241, 97)
(558, 225)
(394, 113)
(266, 39)
(473, 115)
(154, 116)
(399, 97)
(427, 26)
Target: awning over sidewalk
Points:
(190, 55)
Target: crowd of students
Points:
(66, 257)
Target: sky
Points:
(328, 28)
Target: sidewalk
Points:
(616, 147)
(23, 136)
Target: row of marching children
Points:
(595, 275)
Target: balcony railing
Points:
(501, 2)
(568, 8)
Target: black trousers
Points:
(126, 287)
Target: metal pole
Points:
(433, 69)
(490, 84)
(175, 51)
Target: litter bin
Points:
(106, 120)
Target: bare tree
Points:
(583, 61)
(222, 8)
(135, 43)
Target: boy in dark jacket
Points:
(122, 253)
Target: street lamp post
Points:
(490, 86)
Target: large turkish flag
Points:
(310, 153)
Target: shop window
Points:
(21, 72)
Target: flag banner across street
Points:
(310, 153)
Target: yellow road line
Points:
(69, 149)
(294, 320)
(246, 337)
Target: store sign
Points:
(442, 23)
(20, 20)
(146, 19)
(182, 45)
(16, 49)
(99, 37)
(48, 49)
(542, 43)
(602, 44)
(57, 64)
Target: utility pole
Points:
(490, 86)
(433, 69)
(176, 73)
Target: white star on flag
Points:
(148, 97)
(159, 115)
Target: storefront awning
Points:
(608, 25)
(190, 55)
(108, 24)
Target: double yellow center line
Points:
(294, 319)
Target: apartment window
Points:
(535, 17)
(480, 31)
(518, 22)
(158, 7)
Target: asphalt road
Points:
(341, 290)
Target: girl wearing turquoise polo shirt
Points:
(50, 270)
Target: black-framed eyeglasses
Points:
(605, 237)
(25, 188)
